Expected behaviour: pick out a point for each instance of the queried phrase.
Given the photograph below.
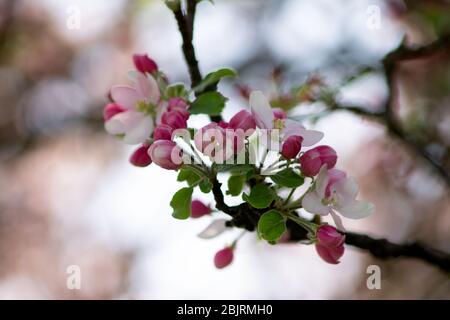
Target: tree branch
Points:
(186, 27)
(246, 217)
(387, 116)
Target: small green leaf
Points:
(211, 103)
(260, 197)
(271, 226)
(190, 176)
(235, 185)
(181, 203)
(205, 186)
(213, 78)
(176, 90)
(287, 178)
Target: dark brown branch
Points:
(384, 249)
(387, 116)
(246, 217)
(186, 27)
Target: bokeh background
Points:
(68, 195)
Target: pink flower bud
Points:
(162, 132)
(110, 110)
(330, 244)
(223, 124)
(162, 152)
(329, 236)
(144, 64)
(291, 147)
(180, 105)
(140, 157)
(174, 119)
(312, 160)
(211, 140)
(279, 113)
(199, 209)
(223, 257)
(330, 254)
(242, 120)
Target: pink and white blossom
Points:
(265, 119)
(313, 159)
(334, 191)
(140, 104)
(165, 153)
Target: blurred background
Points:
(70, 197)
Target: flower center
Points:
(146, 108)
(278, 124)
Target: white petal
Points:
(313, 204)
(295, 128)
(148, 88)
(337, 221)
(213, 229)
(125, 96)
(292, 127)
(322, 182)
(310, 137)
(357, 209)
(140, 131)
(261, 110)
(346, 190)
(135, 125)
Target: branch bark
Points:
(387, 115)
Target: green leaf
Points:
(211, 103)
(181, 203)
(271, 226)
(176, 90)
(205, 186)
(235, 185)
(287, 178)
(260, 197)
(213, 78)
(190, 176)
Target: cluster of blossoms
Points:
(155, 117)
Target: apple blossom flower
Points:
(312, 160)
(330, 254)
(212, 141)
(180, 105)
(335, 191)
(140, 104)
(140, 156)
(330, 243)
(329, 236)
(162, 132)
(110, 110)
(242, 120)
(199, 209)
(291, 147)
(175, 119)
(223, 257)
(279, 113)
(265, 119)
(144, 64)
(163, 153)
